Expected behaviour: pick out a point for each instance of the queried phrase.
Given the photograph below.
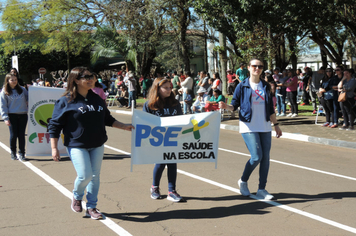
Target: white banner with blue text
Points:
(175, 139)
(40, 108)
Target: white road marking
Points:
(293, 165)
(235, 190)
(106, 221)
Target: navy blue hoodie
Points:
(82, 120)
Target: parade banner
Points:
(40, 108)
(175, 139)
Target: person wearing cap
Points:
(242, 73)
(268, 72)
(232, 82)
(202, 98)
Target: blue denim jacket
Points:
(242, 98)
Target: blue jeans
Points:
(281, 103)
(336, 106)
(87, 164)
(171, 174)
(185, 108)
(144, 93)
(17, 131)
(259, 146)
(198, 109)
(132, 96)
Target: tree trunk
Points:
(292, 48)
(223, 61)
(324, 58)
(147, 64)
(205, 49)
(184, 12)
(270, 64)
(185, 51)
(68, 56)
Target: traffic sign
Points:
(42, 70)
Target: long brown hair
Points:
(71, 91)
(7, 87)
(155, 102)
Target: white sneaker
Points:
(263, 194)
(289, 115)
(282, 114)
(243, 188)
(278, 114)
(295, 115)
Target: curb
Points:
(292, 136)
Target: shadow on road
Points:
(115, 156)
(335, 195)
(251, 208)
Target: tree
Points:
(180, 20)
(142, 22)
(49, 25)
(109, 43)
(223, 61)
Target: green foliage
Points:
(108, 43)
(47, 26)
(261, 26)
(5, 62)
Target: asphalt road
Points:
(314, 186)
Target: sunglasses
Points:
(337, 70)
(257, 66)
(87, 77)
(328, 71)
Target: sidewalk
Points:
(302, 128)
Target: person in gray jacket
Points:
(14, 100)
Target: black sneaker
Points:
(94, 213)
(22, 157)
(13, 156)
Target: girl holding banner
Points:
(83, 115)
(161, 102)
(256, 113)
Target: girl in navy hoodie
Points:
(161, 102)
(83, 115)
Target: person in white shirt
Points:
(186, 84)
(256, 114)
(199, 104)
(217, 84)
